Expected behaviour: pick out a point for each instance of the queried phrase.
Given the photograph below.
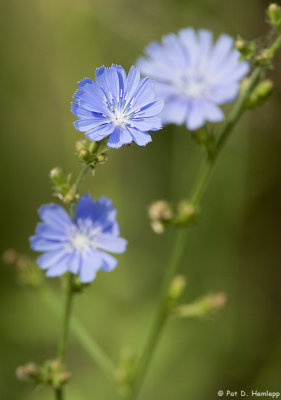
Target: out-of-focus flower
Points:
(193, 75)
(160, 214)
(78, 246)
(119, 106)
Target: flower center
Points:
(192, 86)
(81, 242)
(119, 118)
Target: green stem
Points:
(59, 394)
(82, 336)
(182, 234)
(81, 177)
(275, 46)
(66, 317)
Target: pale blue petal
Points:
(141, 138)
(205, 42)
(221, 94)
(38, 243)
(175, 111)
(111, 243)
(100, 132)
(86, 124)
(195, 118)
(109, 262)
(132, 83)
(112, 81)
(74, 262)
(85, 207)
(90, 264)
(151, 109)
(220, 51)
(59, 268)
(102, 213)
(212, 112)
(90, 96)
(146, 124)
(119, 137)
(54, 215)
(143, 95)
(48, 232)
(51, 258)
(189, 41)
(79, 111)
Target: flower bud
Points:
(177, 287)
(261, 93)
(56, 176)
(217, 301)
(26, 271)
(9, 257)
(264, 58)
(201, 307)
(84, 154)
(274, 15)
(54, 374)
(186, 212)
(246, 49)
(160, 210)
(55, 173)
(80, 144)
(27, 372)
(160, 214)
(240, 44)
(102, 158)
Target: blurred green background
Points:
(47, 46)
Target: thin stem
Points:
(181, 238)
(81, 177)
(59, 394)
(97, 354)
(66, 317)
(275, 46)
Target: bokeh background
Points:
(47, 46)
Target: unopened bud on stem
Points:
(261, 93)
(160, 214)
(177, 287)
(201, 307)
(186, 212)
(274, 15)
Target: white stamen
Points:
(119, 118)
(81, 242)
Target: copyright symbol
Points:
(220, 392)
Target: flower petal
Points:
(51, 258)
(119, 137)
(55, 216)
(175, 111)
(109, 262)
(100, 132)
(141, 138)
(90, 263)
(111, 243)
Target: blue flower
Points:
(194, 76)
(119, 106)
(78, 246)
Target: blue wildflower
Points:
(119, 106)
(194, 76)
(78, 246)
